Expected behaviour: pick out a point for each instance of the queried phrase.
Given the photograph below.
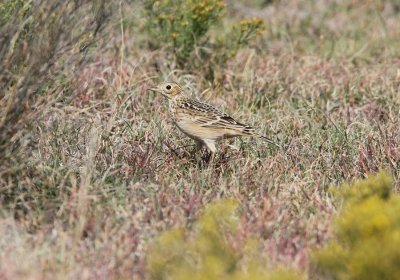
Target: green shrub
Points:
(367, 233)
(208, 254)
(182, 26)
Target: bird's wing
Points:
(208, 116)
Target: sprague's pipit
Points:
(201, 121)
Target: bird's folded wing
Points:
(209, 116)
(213, 121)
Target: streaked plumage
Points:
(201, 121)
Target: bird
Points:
(200, 121)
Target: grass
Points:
(97, 170)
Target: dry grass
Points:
(99, 169)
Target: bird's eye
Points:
(168, 87)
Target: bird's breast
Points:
(172, 111)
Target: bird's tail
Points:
(269, 141)
(248, 130)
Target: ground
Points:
(109, 172)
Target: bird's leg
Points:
(207, 158)
(210, 144)
(212, 157)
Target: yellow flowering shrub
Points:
(367, 233)
(182, 25)
(239, 36)
(208, 254)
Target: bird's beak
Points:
(155, 89)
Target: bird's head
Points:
(168, 89)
